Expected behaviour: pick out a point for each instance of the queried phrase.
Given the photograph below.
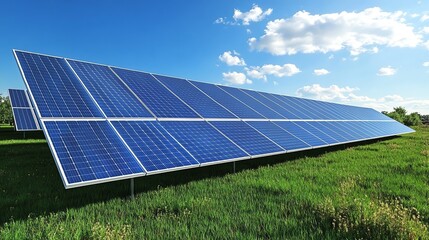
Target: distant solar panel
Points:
(105, 123)
(23, 113)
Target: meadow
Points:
(374, 189)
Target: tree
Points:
(414, 119)
(5, 111)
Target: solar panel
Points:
(53, 86)
(249, 139)
(23, 113)
(283, 138)
(113, 97)
(158, 99)
(106, 123)
(89, 151)
(198, 101)
(253, 103)
(153, 145)
(232, 104)
(204, 142)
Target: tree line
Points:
(412, 119)
(6, 116)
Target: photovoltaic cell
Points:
(109, 92)
(157, 98)
(198, 101)
(232, 104)
(56, 90)
(247, 137)
(153, 146)
(24, 119)
(203, 141)
(279, 135)
(317, 132)
(90, 150)
(18, 98)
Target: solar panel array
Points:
(23, 113)
(106, 123)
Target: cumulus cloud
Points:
(426, 64)
(232, 59)
(320, 72)
(255, 14)
(358, 32)
(424, 17)
(261, 72)
(236, 78)
(349, 95)
(386, 71)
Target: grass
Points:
(376, 189)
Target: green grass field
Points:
(377, 190)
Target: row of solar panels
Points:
(104, 123)
(93, 150)
(126, 93)
(23, 112)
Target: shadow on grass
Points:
(31, 186)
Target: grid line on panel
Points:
(203, 141)
(197, 100)
(109, 92)
(53, 87)
(153, 146)
(24, 119)
(286, 105)
(317, 132)
(154, 95)
(18, 99)
(90, 150)
(249, 139)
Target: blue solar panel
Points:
(279, 135)
(153, 146)
(56, 90)
(317, 132)
(232, 104)
(157, 98)
(302, 134)
(297, 103)
(18, 98)
(200, 102)
(24, 119)
(278, 108)
(324, 127)
(113, 97)
(90, 150)
(247, 137)
(251, 102)
(203, 141)
(295, 110)
(343, 130)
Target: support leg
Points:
(132, 188)
(233, 166)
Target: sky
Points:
(365, 53)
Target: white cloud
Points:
(414, 15)
(358, 32)
(386, 71)
(425, 30)
(255, 14)
(349, 95)
(320, 72)
(232, 59)
(261, 72)
(220, 21)
(426, 64)
(236, 78)
(424, 17)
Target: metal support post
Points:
(132, 188)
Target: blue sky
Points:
(366, 53)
